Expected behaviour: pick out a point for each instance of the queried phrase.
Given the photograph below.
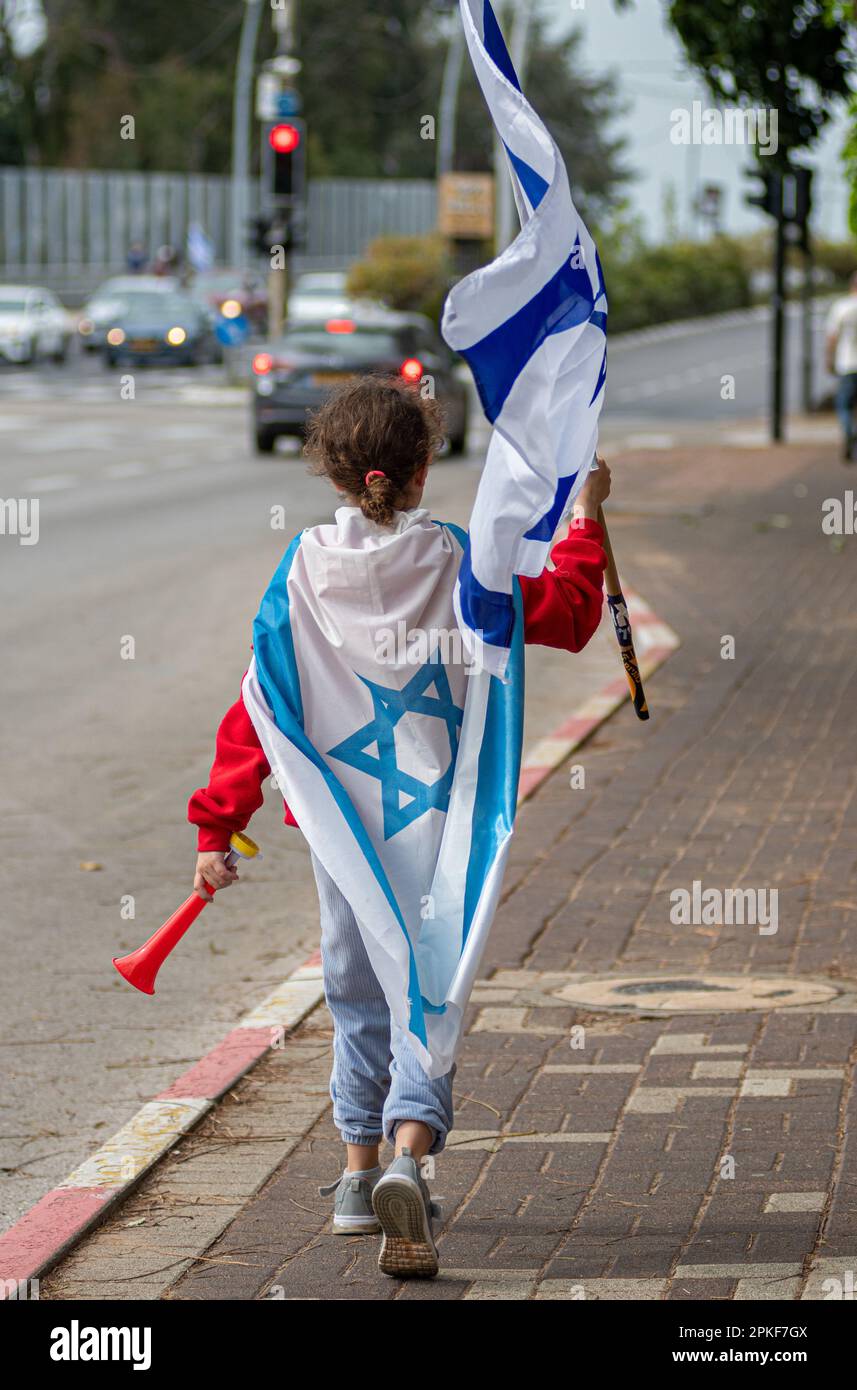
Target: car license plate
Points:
(142, 344)
(330, 378)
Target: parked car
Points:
(294, 375)
(33, 325)
(317, 296)
(102, 310)
(161, 328)
(232, 293)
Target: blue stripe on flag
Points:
(532, 183)
(498, 359)
(544, 528)
(499, 759)
(485, 611)
(495, 45)
(279, 679)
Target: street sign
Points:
(233, 332)
(267, 96)
(288, 104)
(466, 206)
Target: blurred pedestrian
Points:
(841, 351)
(166, 261)
(136, 258)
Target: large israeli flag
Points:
(532, 326)
(399, 760)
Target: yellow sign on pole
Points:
(465, 206)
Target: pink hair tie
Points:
(376, 473)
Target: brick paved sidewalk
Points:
(606, 1170)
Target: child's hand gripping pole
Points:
(622, 625)
(141, 967)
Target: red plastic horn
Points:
(140, 968)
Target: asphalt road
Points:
(675, 374)
(155, 525)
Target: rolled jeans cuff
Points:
(359, 1136)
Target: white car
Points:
(33, 324)
(319, 295)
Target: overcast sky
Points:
(647, 58)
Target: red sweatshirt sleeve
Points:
(234, 791)
(562, 607)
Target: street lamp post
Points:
(241, 128)
(519, 40)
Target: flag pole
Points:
(622, 625)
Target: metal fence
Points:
(67, 229)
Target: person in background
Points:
(841, 353)
(136, 258)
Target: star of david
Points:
(404, 798)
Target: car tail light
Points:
(262, 363)
(341, 326)
(411, 369)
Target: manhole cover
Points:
(702, 994)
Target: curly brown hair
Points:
(378, 425)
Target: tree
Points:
(840, 14)
(371, 71)
(785, 55)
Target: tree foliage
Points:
(371, 71)
(785, 55)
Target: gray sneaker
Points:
(402, 1204)
(352, 1205)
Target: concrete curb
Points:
(65, 1214)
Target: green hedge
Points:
(646, 285)
(411, 273)
(655, 284)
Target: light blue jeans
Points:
(376, 1080)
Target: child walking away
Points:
(399, 762)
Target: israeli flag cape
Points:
(399, 761)
(532, 326)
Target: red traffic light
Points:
(412, 369)
(284, 138)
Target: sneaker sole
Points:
(355, 1226)
(408, 1249)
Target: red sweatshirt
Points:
(562, 608)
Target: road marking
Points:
(125, 470)
(51, 483)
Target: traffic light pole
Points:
(806, 330)
(284, 18)
(778, 327)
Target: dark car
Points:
(294, 375)
(161, 328)
(233, 293)
(101, 311)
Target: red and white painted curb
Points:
(50, 1228)
(63, 1215)
(654, 641)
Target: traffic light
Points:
(770, 196)
(803, 203)
(259, 239)
(286, 141)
